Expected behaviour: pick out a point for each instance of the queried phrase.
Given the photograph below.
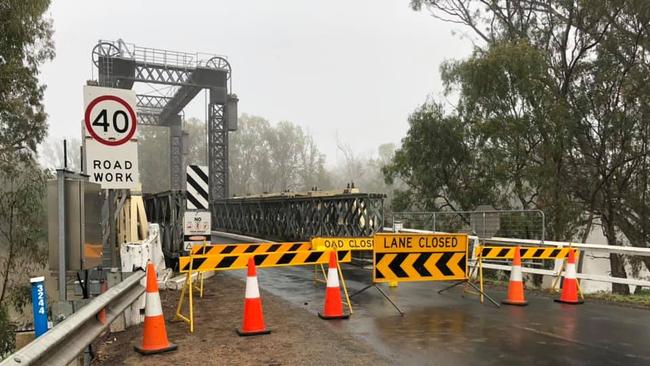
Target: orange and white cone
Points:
(333, 307)
(154, 338)
(253, 322)
(570, 283)
(516, 285)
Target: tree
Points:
(554, 90)
(249, 156)
(153, 158)
(25, 43)
(197, 149)
(266, 158)
(22, 241)
(21, 230)
(439, 164)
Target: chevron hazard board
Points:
(406, 257)
(220, 262)
(508, 252)
(197, 187)
(249, 248)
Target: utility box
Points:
(82, 214)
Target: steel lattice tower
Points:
(121, 65)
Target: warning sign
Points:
(435, 257)
(196, 228)
(342, 243)
(109, 125)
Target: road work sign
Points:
(342, 243)
(109, 126)
(249, 248)
(405, 257)
(208, 263)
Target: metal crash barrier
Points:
(63, 343)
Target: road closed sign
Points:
(110, 126)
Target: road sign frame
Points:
(410, 252)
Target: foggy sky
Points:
(352, 69)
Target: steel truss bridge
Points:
(184, 75)
(283, 218)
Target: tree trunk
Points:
(616, 261)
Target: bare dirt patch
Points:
(298, 337)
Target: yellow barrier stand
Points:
(187, 286)
(340, 243)
(215, 262)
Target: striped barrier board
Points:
(221, 262)
(508, 252)
(212, 249)
(197, 187)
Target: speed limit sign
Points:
(110, 120)
(110, 124)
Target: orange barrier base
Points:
(569, 302)
(171, 347)
(517, 303)
(332, 317)
(248, 334)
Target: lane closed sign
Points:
(110, 126)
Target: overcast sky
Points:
(352, 69)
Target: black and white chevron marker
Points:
(197, 187)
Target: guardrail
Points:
(584, 247)
(64, 342)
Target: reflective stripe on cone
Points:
(333, 306)
(253, 321)
(154, 335)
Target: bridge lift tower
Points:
(183, 76)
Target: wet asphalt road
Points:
(449, 329)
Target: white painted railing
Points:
(584, 247)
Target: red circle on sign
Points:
(102, 140)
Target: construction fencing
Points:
(524, 224)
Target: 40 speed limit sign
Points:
(110, 125)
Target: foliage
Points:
(266, 158)
(554, 96)
(22, 231)
(153, 158)
(7, 329)
(262, 157)
(25, 43)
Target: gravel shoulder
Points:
(298, 336)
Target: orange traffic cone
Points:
(516, 285)
(333, 308)
(154, 338)
(253, 322)
(570, 283)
